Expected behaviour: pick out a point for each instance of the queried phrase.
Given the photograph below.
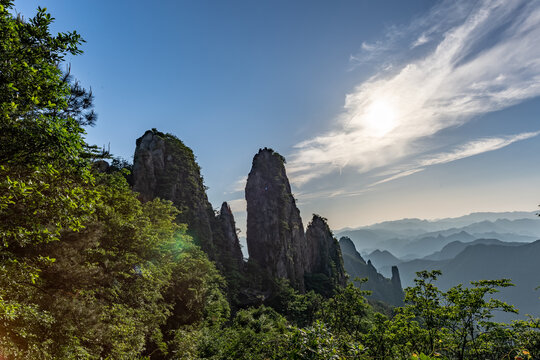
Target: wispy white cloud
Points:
(423, 29)
(369, 52)
(329, 194)
(423, 39)
(483, 57)
(468, 149)
(370, 47)
(238, 185)
(237, 205)
(476, 147)
(398, 176)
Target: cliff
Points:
(324, 267)
(226, 240)
(166, 168)
(275, 233)
(387, 290)
(278, 247)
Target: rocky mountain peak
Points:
(324, 261)
(347, 246)
(163, 167)
(275, 233)
(229, 246)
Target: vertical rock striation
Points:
(275, 233)
(324, 267)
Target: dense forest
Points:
(92, 268)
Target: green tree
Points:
(255, 334)
(347, 311)
(85, 269)
(425, 303)
(317, 342)
(469, 316)
(103, 295)
(45, 181)
(456, 323)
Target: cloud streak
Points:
(480, 59)
(237, 205)
(423, 39)
(476, 147)
(466, 150)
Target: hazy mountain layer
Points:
(382, 259)
(413, 238)
(454, 248)
(480, 261)
(387, 290)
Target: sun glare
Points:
(380, 118)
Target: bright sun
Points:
(380, 118)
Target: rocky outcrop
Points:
(278, 247)
(166, 168)
(275, 233)
(396, 280)
(383, 289)
(324, 267)
(226, 241)
(347, 247)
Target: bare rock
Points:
(275, 233)
(166, 168)
(227, 241)
(324, 268)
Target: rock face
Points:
(383, 289)
(275, 234)
(324, 267)
(166, 168)
(396, 280)
(278, 247)
(347, 247)
(228, 246)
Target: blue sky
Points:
(383, 109)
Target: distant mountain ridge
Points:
(415, 238)
(381, 259)
(478, 246)
(448, 222)
(453, 249)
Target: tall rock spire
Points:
(275, 233)
(164, 167)
(229, 250)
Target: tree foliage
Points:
(86, 269)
